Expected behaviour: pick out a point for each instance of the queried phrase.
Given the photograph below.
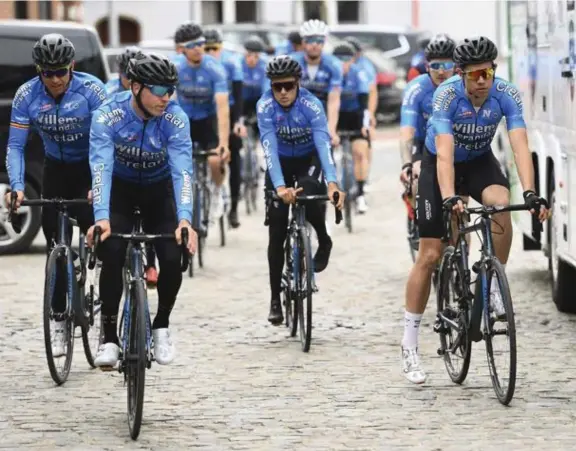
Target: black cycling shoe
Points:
(275, 317)
(233, 219)
(322, 255)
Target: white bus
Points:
(543, 65)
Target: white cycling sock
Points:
(411, 327)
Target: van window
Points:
(16, 66)
(382, 41)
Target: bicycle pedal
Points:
(440, 328)
(106, 368)
(440, 351)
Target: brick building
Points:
(42, 9)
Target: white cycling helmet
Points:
(313, 27)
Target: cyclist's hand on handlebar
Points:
(405, 175)
(19, 199)
(240, 130)
(288, 195)
(334, 139)
(537, 205)
(365, 132)
(333, 189)
(104, 225)
(192, 237)
(454, 203)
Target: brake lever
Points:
(184, 246)
(338, 212)
(12, 218)
(92, 259)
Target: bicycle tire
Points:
(290, 304)
(196, 224)
(347, 186)
(222, 226)
(458, 313)
(306, 271)
(247, 173)
(411, 226)
(59, 377)
(204, 221)
(92, 308)
(504, 395)
(136, 361)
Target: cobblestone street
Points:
(240, 384)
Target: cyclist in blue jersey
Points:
(233, 64)
(121, 83)
(457, 160)
(354, 116)
(418, 61)
(255, 80)
(203, 95)
(141, 155)
(417, 104)
(58, 103)
(296, 143)
(291, 45)
(321, 72)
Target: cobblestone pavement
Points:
(240, 384)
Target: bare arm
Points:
(523, 158)
(445, 164)
(406, 143)
(333, 110)
(373, 100)
(223, 113)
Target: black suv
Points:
(17, 38)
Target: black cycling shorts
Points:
(417, 150)
(351, 121)
(205, 132)
(471, 178)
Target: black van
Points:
(17, 37)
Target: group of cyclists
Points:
(130, 143)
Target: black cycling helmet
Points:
(152, 69)
(343, 50)
(213, 36)
(124, 58)
(254, 44)
(53, 50)
(354, 42)
(283, 66)
(440, 46)
(423, 43)
(295, 38)
(475, 50)
(187, 32)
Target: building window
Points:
(314, 10)
(348, 11)
(246, 11)
(45, 10)
(20, 9)
(212, 12)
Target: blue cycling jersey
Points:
(233, 65)
(64, 127)
(473, 131)
(198, 85)
(113, 86)
(255, 80)
(417, 105)
(297, 132)
(327, 78)
(124, 145)
(418, 58)
(366, 65)
(355, 82)
(285, 48)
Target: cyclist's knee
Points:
(496, 195)
(169, 256)
(112, 253)
(429, 252)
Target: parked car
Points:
(395, 42)
(16, 67)
(272, 35)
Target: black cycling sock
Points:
(110, 326)
(360, 187)
(233, 205)
(162, 319)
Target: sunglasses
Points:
(212, 48)
(344, 58)
(486, 74)
(161, 91)
(286, 85)
(315, 40)
(446, 65)
(194, 44)
(58, 72)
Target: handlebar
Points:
(141, 238)
(312, 198)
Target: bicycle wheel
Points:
(455, 346)
(58, 265)
(93, 334)
(247, 175)
(136, 360)
(205, 218)
(305, 287)
(503, 379)
(222, 231)
(290, 303)
(347, 186)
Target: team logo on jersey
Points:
(511, 91)
(444, 99)
(45, 107)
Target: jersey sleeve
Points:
(179, 151)
(265, 117)
(314, 111)
(411, 105)
(19, 128)
(97, 93)
(219, 78)
(237, 73)
(362, 81)
(512, 106)
(444, 104)
(101, 157)
(337, 74)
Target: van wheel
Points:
(10, 242)
(562, 275)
